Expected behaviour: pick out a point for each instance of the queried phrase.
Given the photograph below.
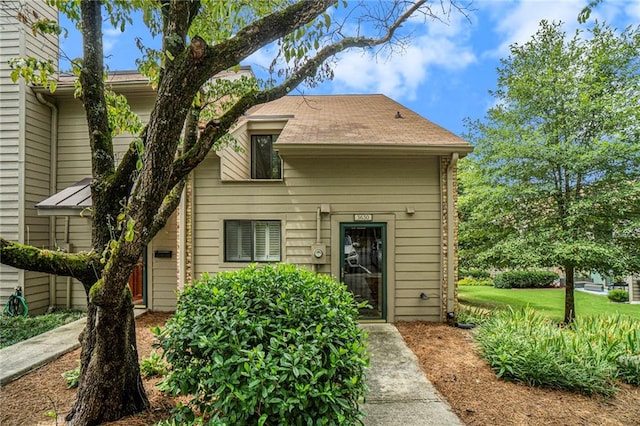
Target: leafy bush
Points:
(525, 279)
(473, 315)
(475, 281)
(153, 366)
(277, 345)
(72, 377)
(474, 273)
(588, 357)
(17, 329)
(618, 295)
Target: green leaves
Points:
(555, 177)
(34, 71)
(277, 345)
(588, 357)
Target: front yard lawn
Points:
(549, 302)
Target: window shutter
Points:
(274, 242)
(267, 241)
(260, 248)
(238, 241)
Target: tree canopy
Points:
(555, 177)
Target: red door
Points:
(135, 284)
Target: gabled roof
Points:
(373, 120)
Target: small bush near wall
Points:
(619, 296)
(525, 279)
(475, 281)
(266, 346)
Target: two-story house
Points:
(356, 186)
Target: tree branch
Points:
(95, 104)
(85, 267)
(216, 129)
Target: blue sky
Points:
(445, 73)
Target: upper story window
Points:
(265, 162)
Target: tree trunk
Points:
(110, 386)
(569, 305)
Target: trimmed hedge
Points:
(276, 345)
(476, 281)
(473, 273)
(618, 295)
(525, 279)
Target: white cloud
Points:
(110, 37)
(435, 45)
(516, 22)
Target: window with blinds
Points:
(252, 241)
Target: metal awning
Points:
(71, 201)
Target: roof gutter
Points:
(53, 178)
(373, 150)
(451, 251)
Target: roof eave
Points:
(386, 150)
(63, 211)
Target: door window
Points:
(363, 266)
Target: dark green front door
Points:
(363, 265)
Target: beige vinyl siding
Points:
(235, 164)
(10, 146)
(74, 164)
(163, 272)
(37, 177)
(79, 234)
(382, 187)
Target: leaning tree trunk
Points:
(569, 304)
(110, 386)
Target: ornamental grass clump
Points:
(587, 357)
(266, 346)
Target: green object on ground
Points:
(16, 305)
(588, 357)
(548, 302)
(17, 329)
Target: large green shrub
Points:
(267, 346)
(525, 279)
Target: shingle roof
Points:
(352, 120)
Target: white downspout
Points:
(450, 234)
(53, 177)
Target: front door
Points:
(137, 282)
(363, 265)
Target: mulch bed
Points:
(447, 355)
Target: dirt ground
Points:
(447, 355)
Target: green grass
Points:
(548, 302)
(17, 329)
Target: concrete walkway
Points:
(399, 392)
(17, 360)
